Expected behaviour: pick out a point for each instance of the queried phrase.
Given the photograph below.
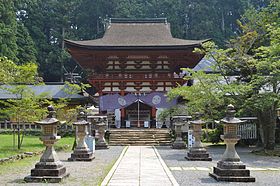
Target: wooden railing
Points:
(248, 130)
(136, 76)
(5, 125)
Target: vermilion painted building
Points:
(136, 59)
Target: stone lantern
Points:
(50, 168)
(179, 121)
(81, 152)
(100, 133)
(230, 168)
(197, 152)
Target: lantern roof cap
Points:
(81, 119)
(197, 119)
(50, 120)
(230, 118)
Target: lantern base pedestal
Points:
(81, 155)
(231, 172)
(198, 155)
(52, 172)
(101, 145)
(179, 144)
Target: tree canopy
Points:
(248, 73)
(33, 30)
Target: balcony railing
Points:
(137, 76)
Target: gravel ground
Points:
(81, 173)
(175, 158)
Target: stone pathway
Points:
(140, 165)
(81, 173)
(265, 169)
(211, 169)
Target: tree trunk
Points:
(267, 120)
(18, 140)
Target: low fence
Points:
(6, 125)
(248, 129)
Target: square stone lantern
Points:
(197, 152)
(50, 168)
(179, 121)
(99, 124)
(100, 133)
(81, 152)
(230, 168)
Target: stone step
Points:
(165, 139)
(140, 144)
(151, 137)
(140, 137)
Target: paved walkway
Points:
(140, 165)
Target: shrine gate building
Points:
(133, 65)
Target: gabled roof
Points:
(124, 33)
(205, 65)
(51, 91)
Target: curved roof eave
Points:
(133, 47)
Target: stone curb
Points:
(166, 169)
(19, 156)
(113, 169)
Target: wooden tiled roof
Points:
(127, 33)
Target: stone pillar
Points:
(81, 152)
(197, 152)
(178, 121)
(50, 168)
(5, 125)
(230, 168)
(101, 126)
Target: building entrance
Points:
(138, 115)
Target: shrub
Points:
(213, 135)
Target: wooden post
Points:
(154, 111)
(122, 111)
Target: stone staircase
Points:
(139, 137)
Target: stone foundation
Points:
(81, 155)
(101, 145)
(179, 144)
(198, 155)
(231, 172)
(50, 172)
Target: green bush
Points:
(212, 135)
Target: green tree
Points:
(11, 73)
(26, 108)
(8, 30)
(254, 58)
(26, 47)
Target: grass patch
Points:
(16, 166)
(106, 171)
(30, 144)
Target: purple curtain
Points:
(115, 101)
(158, 100)
(108, 102)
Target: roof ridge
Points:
(138, 20)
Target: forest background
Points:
(33, 30)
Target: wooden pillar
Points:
(122, 112)
(154, 111)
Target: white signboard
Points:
(90, 141)
(191, 139)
